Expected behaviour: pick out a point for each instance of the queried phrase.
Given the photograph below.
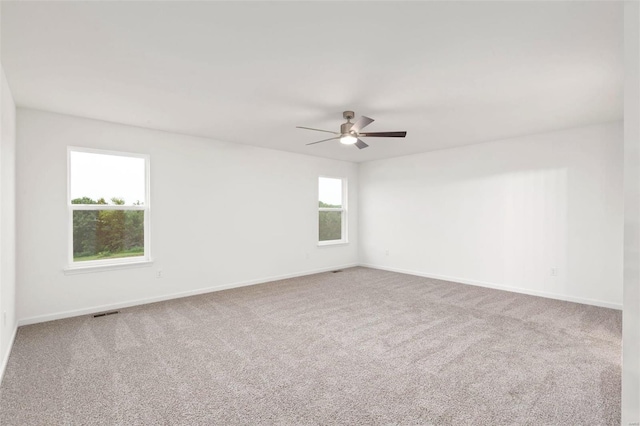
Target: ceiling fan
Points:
(350, 133)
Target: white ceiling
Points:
(450, 73)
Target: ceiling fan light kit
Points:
(350, 132)
(348, 140)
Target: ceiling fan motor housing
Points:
(345, 128)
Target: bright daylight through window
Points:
(108, 207)
(332, 211)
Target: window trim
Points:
(343, 209)
(117, 263)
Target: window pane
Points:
(330, 191)
(106, 179)
(107, 234)
(330, 226)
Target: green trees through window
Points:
(106, 234)
(330, 225)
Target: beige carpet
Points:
(357, 347)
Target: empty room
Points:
(323, 212)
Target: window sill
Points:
(72, 270)
(332, 243)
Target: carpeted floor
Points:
(358, 347)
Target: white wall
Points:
(7, 222)
(503, 213)
(631, 309)
(222, 214)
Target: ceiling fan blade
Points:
(361, 123)
(317, 130)
(360, 144)
(324, 140)
(385, 134)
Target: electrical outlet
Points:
(386, 252)
(306, 255)
(159, 274)
(4, 318)
(554, 272)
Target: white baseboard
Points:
(126, 304)
(5, 356)
(556, 296)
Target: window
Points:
(108, 205)
(332, 212)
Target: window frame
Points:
(105, 264)
(344, 212)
